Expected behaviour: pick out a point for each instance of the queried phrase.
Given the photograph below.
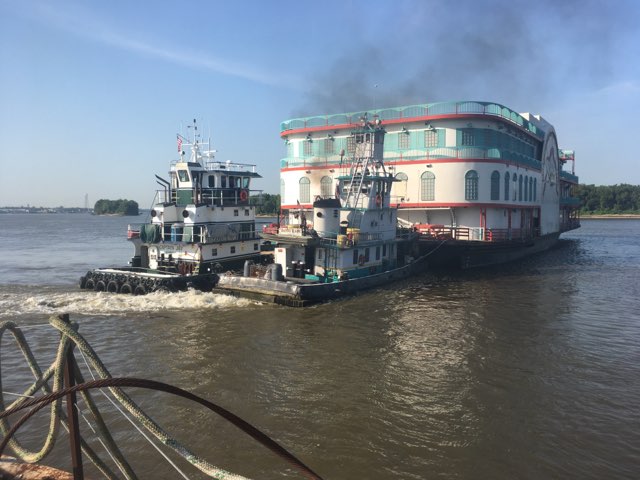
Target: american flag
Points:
(179, 143)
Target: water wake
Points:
(102, 303)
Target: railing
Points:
(442, 232)
(412, 111)
(428, 153)
(206, 196)
(570, 177)
(570, 201)
(207, 233)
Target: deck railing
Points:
(442, 232)
(414, 111)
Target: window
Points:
(325, 187)
(403, 140)
(495, 185)
(515, 187)
(520, 188)
(507, 180)
(535, 189)
(246, 213)
(471, 185)
(327, 146)
(233, 249)
(214, 252)
(235, 213)
(308, 148)
(378, 252)
(530, 189)
(384, 250)
(245, 182)
(526, 188)
(212, 181)
(430, 138)
(255, 247)
(467, 138)
(305, 190)
(427, 187)
(355, 256)
(183, 175)
(366, 254)
(351, 145)
(223, 181)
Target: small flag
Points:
(179, 143)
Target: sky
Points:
(93, 93)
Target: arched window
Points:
(495, 185)
(400, 186)
(282, 190)
(515, 187)
(507, 184)
(526, 189)
(305, 190)
(520, 188)
(471, 185)
(535, 189)
(427, 187)
(530, 189)
(325, 187)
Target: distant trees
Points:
(115, 207)
(266, 204)
(602, 199)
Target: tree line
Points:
(603, 199)
(266, 204)
(115, 207)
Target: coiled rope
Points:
(53, 398)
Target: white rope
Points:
(135, 425)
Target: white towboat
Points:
(351, 243)
(202, 222)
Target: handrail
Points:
(414, 111)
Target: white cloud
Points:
(86, 25)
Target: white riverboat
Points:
(347, 241)
(202, 222)
(489, 182)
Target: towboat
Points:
(351, 243)
(202, 223)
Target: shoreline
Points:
(611, 216)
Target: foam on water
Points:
(102, 303)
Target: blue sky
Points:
(92, 93)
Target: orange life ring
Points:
(361, 260)
(243, 195)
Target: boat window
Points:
(355, 256)
(214, 252)
(471, 185)
(495, 185)
(246, 213)
(378, 252)
(255, 247)
(223, 181)
(515, 187)
(183, 175)
(305, 190)
(235, 213)
(427, 187)
(233, 249)
(366, 254)
(507, 183)
(325, 187)
(245, 182)
(212, 181)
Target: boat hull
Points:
(295, 294)
(469, 254)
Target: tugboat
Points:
(352, 242)
(202, 222)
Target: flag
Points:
(179, 138)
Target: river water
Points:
(530, 370)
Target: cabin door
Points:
(310, 259)
(144, 256)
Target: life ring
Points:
(100, 286)
(378, 200)
(126, 288)
(361, 260)
(112, 286)
(243, 195)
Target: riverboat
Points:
(348, 241)
(202, 222)
(486, 184)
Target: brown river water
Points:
(529, 371)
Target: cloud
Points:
(86, 25)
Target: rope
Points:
(71, 336)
